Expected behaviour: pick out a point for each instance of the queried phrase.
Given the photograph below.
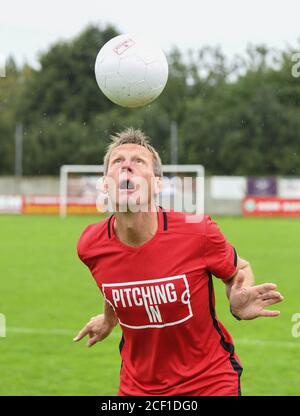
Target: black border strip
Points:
(226, 345)
(108, 226)
(235, 256)
(165, 218)
(121, 343)
(164, 215)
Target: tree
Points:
(9, 89)
(240, 117)
(65, 83)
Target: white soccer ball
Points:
(131, 72)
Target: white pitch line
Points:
(72, 333)
(267, 343)
(38, 331)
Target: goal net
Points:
(80, 189)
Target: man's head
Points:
(132, 170)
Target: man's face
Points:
(130, 180)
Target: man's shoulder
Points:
(186, 223)
(91, 235)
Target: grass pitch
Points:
(47, 295)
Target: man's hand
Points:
(97, 329)
(250, 302)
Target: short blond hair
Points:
(133, 136)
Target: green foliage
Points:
(249, 126)
(9, 92)
(240, 117)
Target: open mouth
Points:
(127, 184)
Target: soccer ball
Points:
(130, 71)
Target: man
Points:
(155, 270)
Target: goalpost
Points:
(194, 188)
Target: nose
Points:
(126, 165)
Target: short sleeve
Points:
(82, 246)
(220, 255)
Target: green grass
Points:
(45, 287)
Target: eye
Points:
(140, 161)
(117, 160)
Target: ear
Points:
(158, 185)
(103, 185)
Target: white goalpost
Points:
(191, 171)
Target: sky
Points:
(31, 26)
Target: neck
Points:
(135, 229)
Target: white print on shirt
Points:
(152, 303)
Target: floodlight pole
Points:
(174, 143)
(19, 150)
(63, 181)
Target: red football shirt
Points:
(162, 293)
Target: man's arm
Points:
(248, 301)
(99, 327)
(109, 314)
(249, 277)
